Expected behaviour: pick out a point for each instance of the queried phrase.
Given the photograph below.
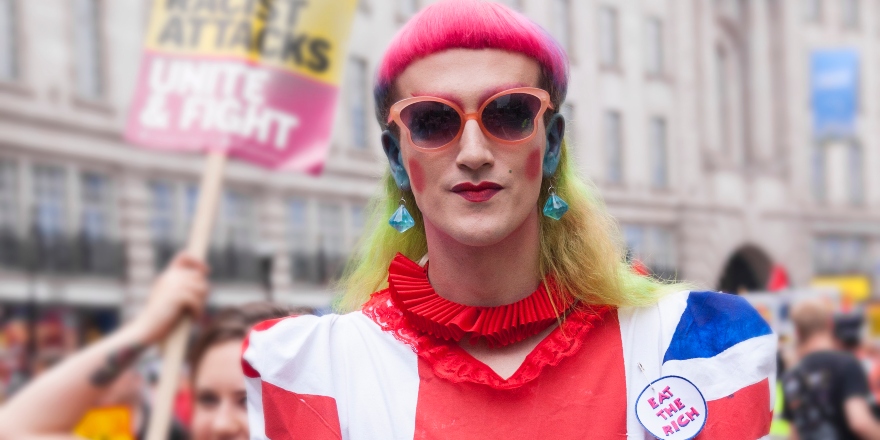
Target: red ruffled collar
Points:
(450, 362)
(427, 311)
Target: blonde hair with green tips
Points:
(583, 251)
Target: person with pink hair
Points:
(490, 296)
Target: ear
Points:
(395, 159)
(555, 133)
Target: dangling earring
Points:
(401, 220)
(555, 207)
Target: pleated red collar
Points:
(424, 309)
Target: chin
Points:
(480, 231)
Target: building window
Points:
(849, 13)
(234, 254)
(97, 207)
(840, 255)
(609, 45)
(357, 101)
(50, 201)
(562, 24)
(512, 4)
(812, 10)
(407, 8)
(297, 225)
(655, 62)
(855, 175)
(819, 170)
(730, 8)
(331, 235)
(365, 6)
(97, 252)
(8, 198)
(659, 151)
(89, 54)
(357, 221)
(653, 246)
(10, 255)
(303, 264)
(8, 41)
(331, 229)
(190, 200)
(721, 90)
(568, 113)
(239, 221)
(162, 224)
(614, 146)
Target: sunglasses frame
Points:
(399, 106)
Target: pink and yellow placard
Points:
(256, 78)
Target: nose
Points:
(227, 423)
(474, 152)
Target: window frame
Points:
(561, 12)
(609, 37)
(13, 32)
(659, 151)
(99, 51)
(615, 163)
(655, 59)
(358, 103)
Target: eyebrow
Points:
(482, 98)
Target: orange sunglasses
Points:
(508, 117)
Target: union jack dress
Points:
(371, 375)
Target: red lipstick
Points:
(480, 192)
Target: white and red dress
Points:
(372, 374)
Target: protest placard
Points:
(255, 80)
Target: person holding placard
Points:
(55, 404)
(490, 296)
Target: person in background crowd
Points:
(826, 393)
(779, 427)
(220, 410)
(848, 334)
(54, 403)
(98, 376)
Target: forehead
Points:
(467, 76)
(220, 366)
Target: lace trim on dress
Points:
(450, 362)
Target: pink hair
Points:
(470, 24)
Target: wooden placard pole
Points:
(175, 342)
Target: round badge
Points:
(672, 408)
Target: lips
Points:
(480, 192)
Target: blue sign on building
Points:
(834, 87)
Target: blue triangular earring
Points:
(401, 219)
(555, 207)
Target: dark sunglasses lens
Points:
(431, 124)
(512, 117)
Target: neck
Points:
(818, 342)
(485, 276)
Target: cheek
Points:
(416, 175)
(201, 424)
(533, 165)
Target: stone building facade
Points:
(692, 117)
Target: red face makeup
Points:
(473, 153)
(507, 117)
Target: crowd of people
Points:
(525, 322)
(105, 376)
(831, 383)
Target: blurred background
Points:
(733, 139)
